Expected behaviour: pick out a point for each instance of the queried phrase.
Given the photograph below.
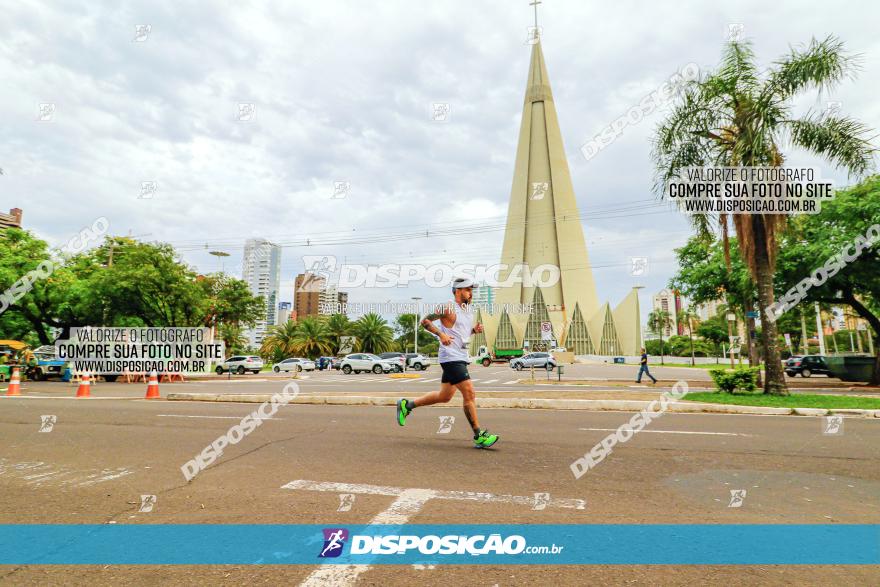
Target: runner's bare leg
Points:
(469, 398)
(436, 397)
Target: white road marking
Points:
(430, 380)
(232, 381)
(209, 417)
(490, 381)
(37, 473)
(92, 398)
(408, 503)
(670, 432)
(510, 382)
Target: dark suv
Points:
(806, 366)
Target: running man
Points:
(456, 327)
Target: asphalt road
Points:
(101, 456)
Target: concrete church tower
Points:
(544, 227)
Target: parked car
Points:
(541, 360)
(358, 362)
(294, 364)
(807, 365)
(399, 360)
(240, 364)
(418, 361)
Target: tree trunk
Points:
(774, 381)
(754, 359)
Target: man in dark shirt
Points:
(643, 368)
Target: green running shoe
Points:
(402, 412)
(484, 439)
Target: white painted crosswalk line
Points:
(509, 382)
(490, 381)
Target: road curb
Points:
(533, 403)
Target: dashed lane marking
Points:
(670, 432)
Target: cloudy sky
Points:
(343, 92)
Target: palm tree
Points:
(738, 116)
(374, 334)
(312, 338)
(279, 341)
(687, 316)
(658, 321)
(338, 325)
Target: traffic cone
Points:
(84, 389)
(14, 383)
(153, 387)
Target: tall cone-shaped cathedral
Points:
(544, 228)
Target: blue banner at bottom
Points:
(595, 544)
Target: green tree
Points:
(312, 338)
(280, 342)
(234, 340)
(714, 329)
(338, 325)
(373, 333)
(403, 327)
(229, 300)
(738, 116)
(658, 321)
(814, 239)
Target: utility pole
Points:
(819, 332)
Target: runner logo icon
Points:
(334, 540)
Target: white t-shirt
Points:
(460, 333)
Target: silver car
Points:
(538, 360)
(294, 364)
(359, 362)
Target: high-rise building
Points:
(283, 316)
(668, 300)
(328, 300)
(708, 309)
(11, 220)
(484, 295)
(342, 298)
(307, 291)
(261, 270)
(544, 228)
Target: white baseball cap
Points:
(463, 283)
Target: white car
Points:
(240, 364)
(294, 364)
(418, 361)
(358, 362)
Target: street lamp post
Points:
(220, 255)
(416, 326)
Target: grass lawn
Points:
(790, 401)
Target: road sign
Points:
(752, 314)
(546, 331)
(346, 344)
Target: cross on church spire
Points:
(535, 4)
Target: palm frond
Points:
(821, 65)
(844, 141)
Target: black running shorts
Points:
(454, 372)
